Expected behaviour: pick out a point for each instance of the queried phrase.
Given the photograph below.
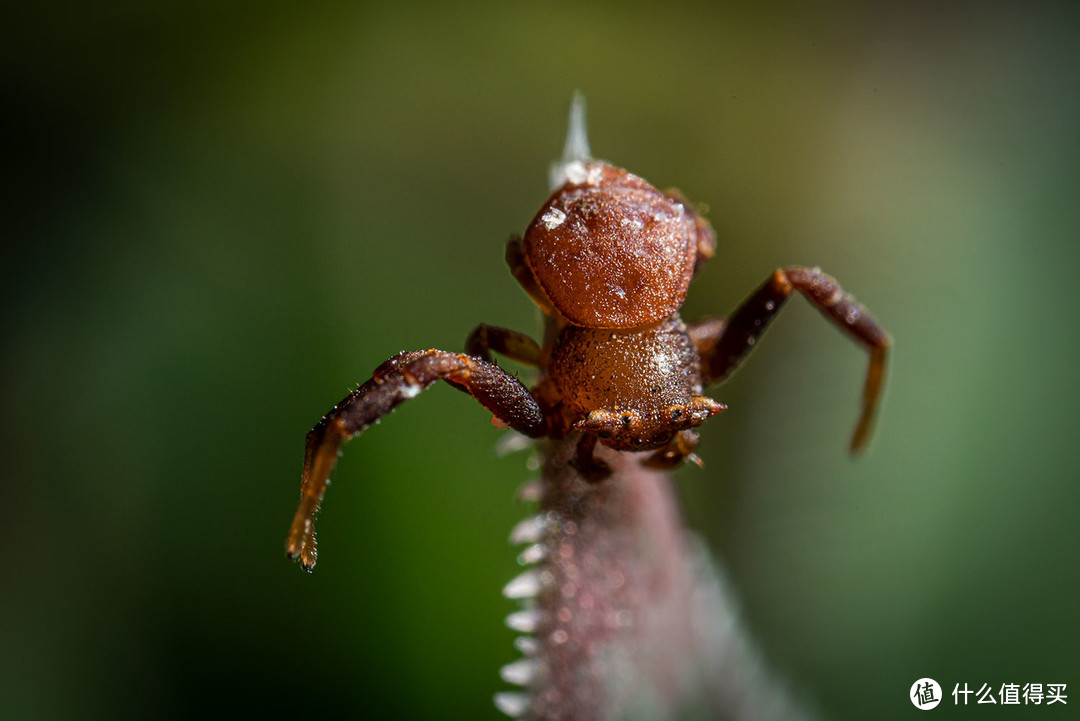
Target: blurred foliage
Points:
(219, 218)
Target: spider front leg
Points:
(723, 344)
(515, 346)
(519, 268)
(395, 381)
(679, 449)
(590, 467)
(671, 455)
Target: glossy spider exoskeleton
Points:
(608, 258)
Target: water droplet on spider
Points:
(553, 218)
(662, 363)
(769, 305)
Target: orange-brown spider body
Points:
(609, 258)
(612, 257)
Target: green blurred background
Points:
(218, 218)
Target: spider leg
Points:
(395, 381)
(680, 448)
(723, 344)
(590, 467)
(515, 258)
(515, 346)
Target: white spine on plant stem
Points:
(576, 149)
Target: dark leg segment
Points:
(681, 448)
(395, 381)
(515, 346)
(723, 344)
(590, 467)
(515, 258)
